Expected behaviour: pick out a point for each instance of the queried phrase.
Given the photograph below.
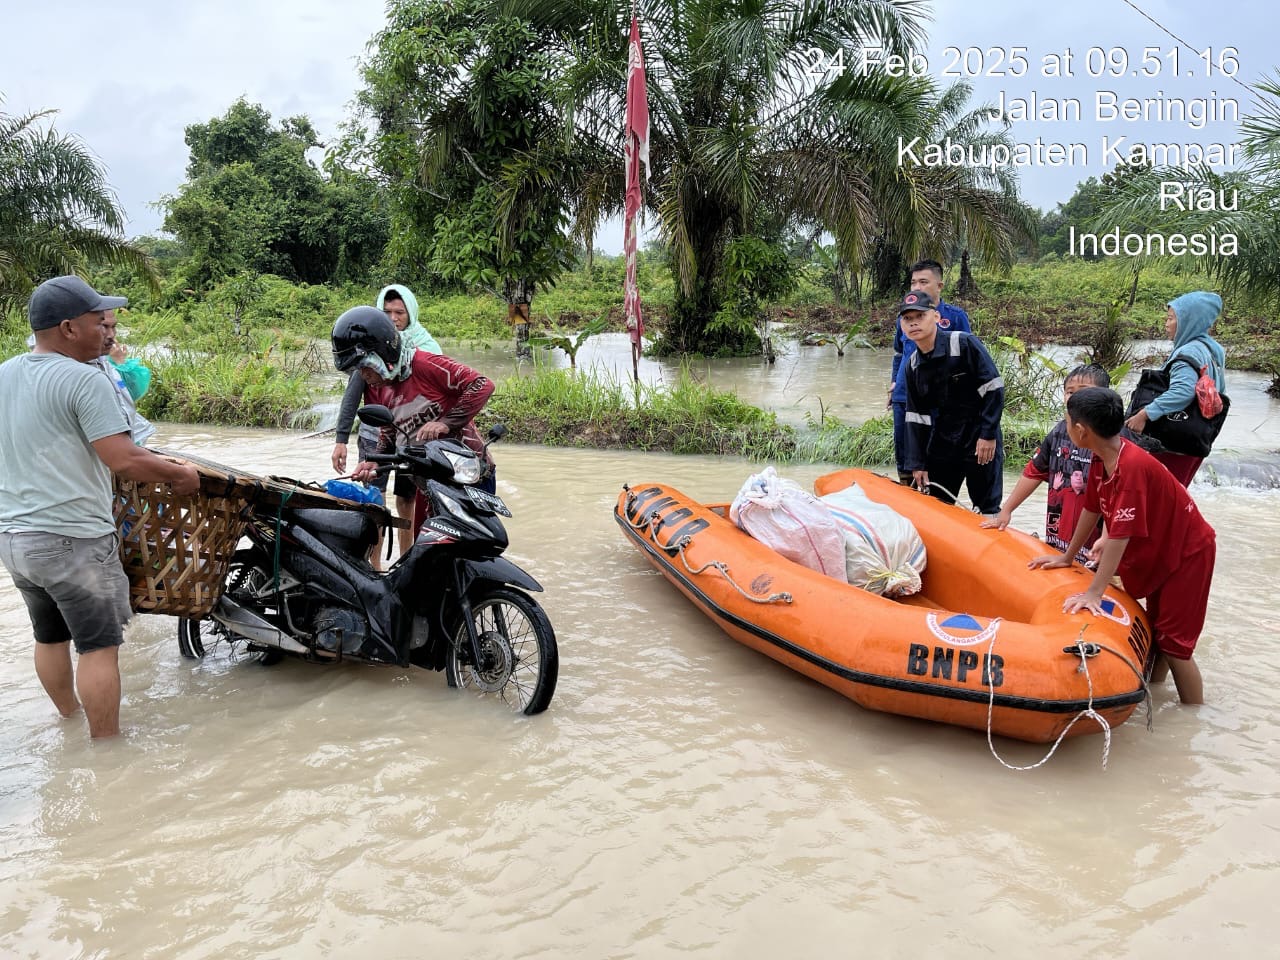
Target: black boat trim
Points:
(876, 680)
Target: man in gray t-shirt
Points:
(61, 437)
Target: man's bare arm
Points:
(132, 462)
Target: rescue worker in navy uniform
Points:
(927, 277)
(955, 397)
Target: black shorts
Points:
(75, 589)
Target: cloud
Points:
(128, 78)
(160, 67)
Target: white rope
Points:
(955, 497)
(1088, 711)
(646, 522)
(723, 569)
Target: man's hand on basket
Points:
(189, 482)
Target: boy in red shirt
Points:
(1157, 541)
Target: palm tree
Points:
(57, 214)
(746, 142)
(932, 211)
(1246, 205)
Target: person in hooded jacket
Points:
(399, 303)
(401, 306)
(1187, 322)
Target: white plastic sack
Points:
(790, 520)
(883, 551)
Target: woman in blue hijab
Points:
(1187, 323)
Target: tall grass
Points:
(241, 390)
(557, 408)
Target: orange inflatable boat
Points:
(985, 644)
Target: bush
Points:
(224, 388)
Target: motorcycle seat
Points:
(349, 530)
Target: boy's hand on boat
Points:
(1049, 561)
(999, 521)
(1082, 601)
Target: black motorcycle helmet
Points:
(362, 331)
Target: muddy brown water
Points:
(683, 795)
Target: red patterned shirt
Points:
(437, 388)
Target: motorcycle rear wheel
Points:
(518, 646)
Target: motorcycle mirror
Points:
(375, 415)
(497, 432)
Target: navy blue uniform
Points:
(950, 317)
(955, 397)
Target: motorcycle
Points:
(302, 586)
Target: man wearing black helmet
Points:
(429, 395)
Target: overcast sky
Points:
(163, 65)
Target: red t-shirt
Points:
(437, 388)
(1141, 500)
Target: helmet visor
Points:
(348, 358)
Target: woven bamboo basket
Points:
(176, 550)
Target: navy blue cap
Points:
(65, 298)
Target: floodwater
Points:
(683, 794)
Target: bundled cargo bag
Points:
(793, 522)
(883, 550)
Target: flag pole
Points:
(635, 153)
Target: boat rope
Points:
(649, 525)
(955, 497)
(1146, 687)
(723, 569)
(1083, 650)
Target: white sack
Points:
(790, 520)
(883, 551)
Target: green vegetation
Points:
(457, 114)
(483, 153)
(747, 149)
(246, 390)
(557, 408)
(57, 212)
(253, 203)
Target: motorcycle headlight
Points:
(465, 469)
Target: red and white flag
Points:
(635, 151)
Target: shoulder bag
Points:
(1192, 430)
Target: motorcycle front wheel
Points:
(519, 660)
(190, 641)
